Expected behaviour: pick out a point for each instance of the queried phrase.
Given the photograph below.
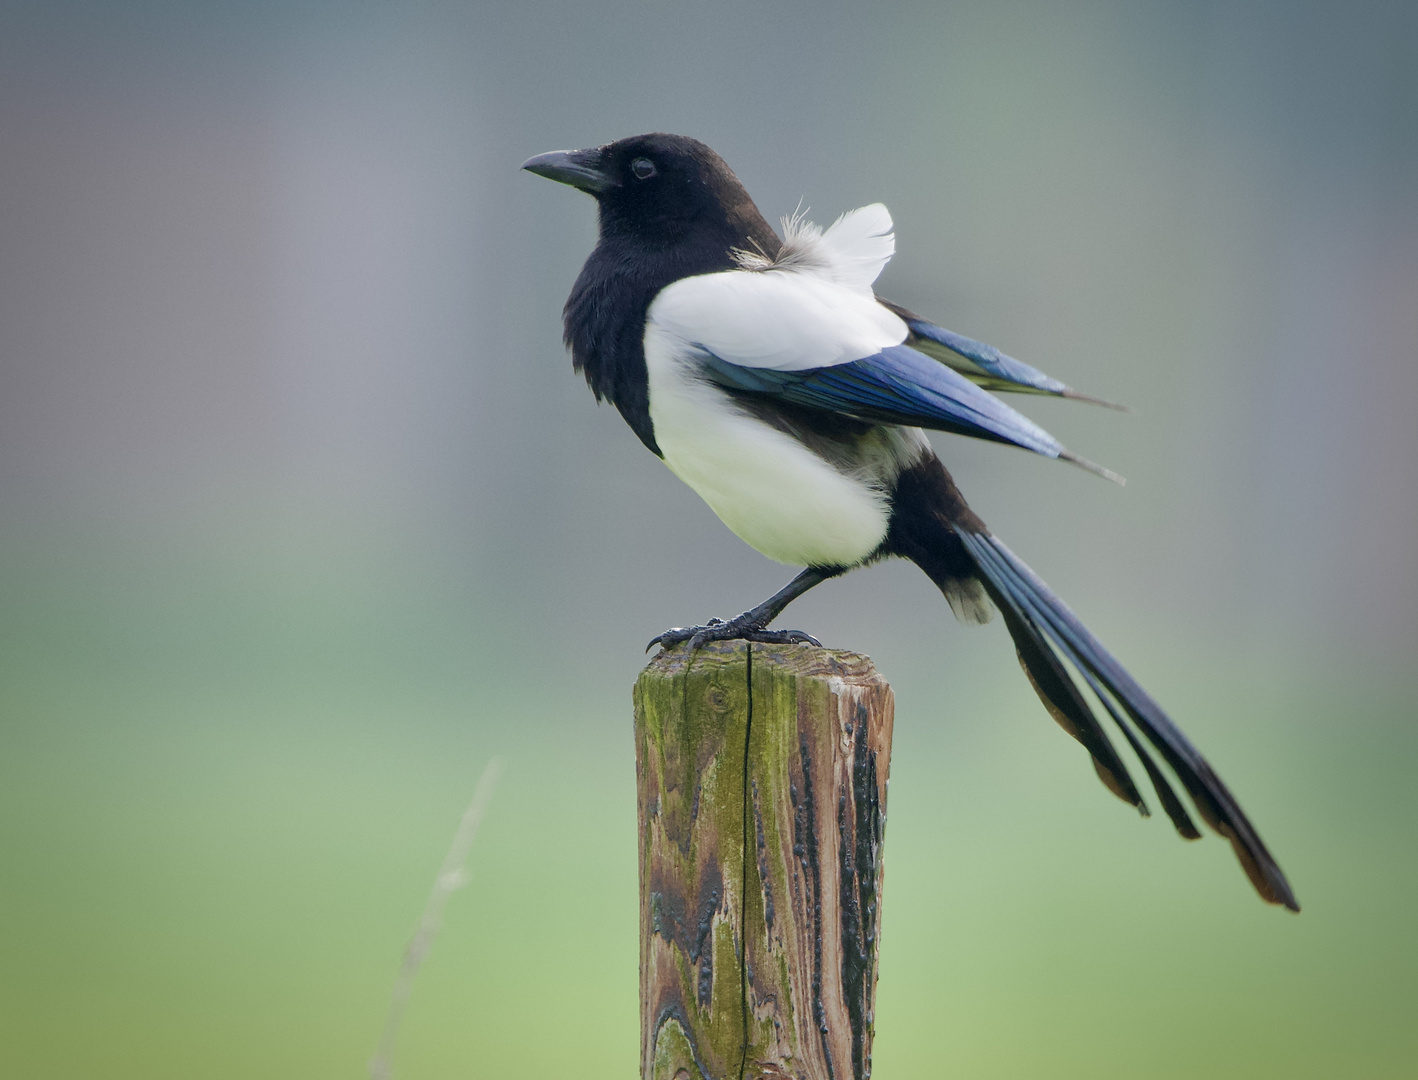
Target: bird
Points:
(766, 373)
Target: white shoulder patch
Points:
(777, 319)
(852, 251)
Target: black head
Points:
(670, 208)
(661, 190)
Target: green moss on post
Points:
(761, 775)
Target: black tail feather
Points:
(1170, 803)
(1040, 623)
(1064, 703)
(1022, 619)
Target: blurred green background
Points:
(303, 517)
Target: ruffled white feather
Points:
(859, 244)
(851, 252)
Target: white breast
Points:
(771, 490)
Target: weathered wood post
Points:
(761, 773)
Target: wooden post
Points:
(761, 772)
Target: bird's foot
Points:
(744, 627)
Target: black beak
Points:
(579, 168)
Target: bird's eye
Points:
(643, 168)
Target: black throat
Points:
(604, 317)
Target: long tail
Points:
(935, 529)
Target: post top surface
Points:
(806, 660)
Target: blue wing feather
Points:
(992, 363)
(897, 385)
(983, 364)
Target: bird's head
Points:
(660, 189)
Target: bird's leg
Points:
(752, 624)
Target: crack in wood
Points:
(761, 775)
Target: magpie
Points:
(769, 377)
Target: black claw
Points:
(671, 637)
(739, 629)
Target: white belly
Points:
(771, 490)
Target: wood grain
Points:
(762, 777)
